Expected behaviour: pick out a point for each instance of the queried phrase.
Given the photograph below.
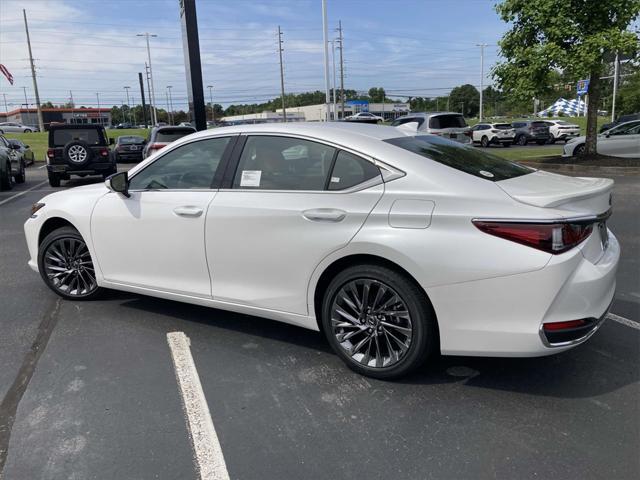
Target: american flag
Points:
(6, 73)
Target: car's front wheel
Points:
(378, 321)
(66, 266)
(521, 140)
(484, 142)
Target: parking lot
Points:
(89, 389)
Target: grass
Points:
(38, 141)
(517, 154)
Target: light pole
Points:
(326, 58)
(213, 115)
(152, 95)
(26, 102)
(99, 114)
(128, 104)
(481, 45)
(169, 87)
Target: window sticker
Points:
(250, 178)
(335, 179)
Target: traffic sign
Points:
(583, 87)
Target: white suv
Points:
(493, 133)
(561, 130)
(449, 125)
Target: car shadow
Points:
(606, 363)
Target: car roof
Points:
(68, 126)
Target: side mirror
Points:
(27, 146)
(607, 135)
(111, 141)
(118, 182)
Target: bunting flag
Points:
(6, 73)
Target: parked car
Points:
(24, 150)
(450, 125)
(619, 120)
(184, 124)
(78, 150)
(531, 131)
(364, 117)
(129, 148)
(124, 125)
(493, 134)
(561, 130)
(160, 137)
(12, 167)
(395, 246)
(620, 141)
(13, 127)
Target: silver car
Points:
(621, 141)
(13, 127)
(449, 125)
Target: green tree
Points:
(571, 37)
(377, 94)
(629, 95)
(465, 99)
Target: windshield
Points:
(502, 126)
(130, 140)
(625, 128)
(172, 134)
(92, 136)
(465, 159)
(447, 121)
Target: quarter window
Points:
(350, 170)
(283, 163)
(190, 166)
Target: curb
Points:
(577, 168)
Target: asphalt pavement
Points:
(89, 389)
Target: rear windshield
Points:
(466, 159)
(92, 136)
(130, 140)
(447, 121)
(502, 126)
(169, 135)
(539, 124)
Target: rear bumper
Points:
(90, 169)
(502, 139)
(504, 316)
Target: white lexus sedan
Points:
(621, 141)
(395, 245)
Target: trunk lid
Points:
(582, 195)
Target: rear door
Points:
(621, 141)
(450, 125)
(288, 203)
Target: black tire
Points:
(484, 142)
(1, 132)
(46, 250)
(84, 151)
(579, 150)
(21, 177)
(506, 144)
(424, 331)
(28, 130)
(541, 142)
(6, 180)
(522, 140)
(54, 179)
(552, 139)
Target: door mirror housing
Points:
(118, 182)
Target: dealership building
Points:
(74, 116)
(264, 117)
(316, 113)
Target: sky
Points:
(408, 47)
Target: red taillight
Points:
(51, 153)
(468, 133)
(555, 326)
(549, 237)
(157, 146)
(104, 152)
(495, 131)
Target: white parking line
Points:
(208, 453)
(21, 193)
(623, 321)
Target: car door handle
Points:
(324, 215)
(188, 211)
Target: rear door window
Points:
(351, 170)
(92, 136)
(447, 121)
(462, 158)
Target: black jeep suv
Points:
(78, 150)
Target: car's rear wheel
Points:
(66, 266)
(521, 140)
(378, 321)
(28, 130)
(579, 151)
(552, 139)
(484, 142)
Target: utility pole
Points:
(341, 68)
(128, 104)
(152, 95)
(169, 87)
(73, 107)
(6, 108)
(152, 108)
(33, 73)
(166, 102)
(133, 101)
(616, 71)
(26, 102)
(99, 113)
(213, 113)
(333, 61)
(280, 49)
(326, 58)
(144, 106)
(481, 45)
(448, 98)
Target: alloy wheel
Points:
(371, 323)
(68, 267)
(77, 153)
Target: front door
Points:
(291, 203)
(155, 238)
